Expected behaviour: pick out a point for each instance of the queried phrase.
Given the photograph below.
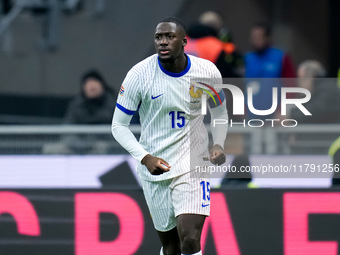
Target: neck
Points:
(177, 65)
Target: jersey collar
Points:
(175, 74)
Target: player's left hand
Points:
(217, 156)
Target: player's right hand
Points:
(156, 166)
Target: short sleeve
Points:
(129, 96)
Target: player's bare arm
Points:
(156, 166)
(217, 156)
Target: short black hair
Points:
(93, 74)
(265, 26)
(175, 20)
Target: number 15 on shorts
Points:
(206, 193)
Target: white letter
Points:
(262, 123)
(272, 120)
(298, 101)
(219, 121)
(244, 123)
(262, 112)
(289, 120)
(204, 104)
(238, 98)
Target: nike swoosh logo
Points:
(203, 205)
(152, 97)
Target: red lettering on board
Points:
(22, 211)
(221, 227)
(88, 206)
(296, 208)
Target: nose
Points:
(164, 41)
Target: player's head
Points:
(260, 36)
(170, 39)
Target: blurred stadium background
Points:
(88, 201)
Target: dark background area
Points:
(122, 35)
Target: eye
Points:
(171, 36)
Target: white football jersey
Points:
(169, 106)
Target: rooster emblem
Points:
(195, 94)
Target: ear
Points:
(185, 41)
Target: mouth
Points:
(164, 51)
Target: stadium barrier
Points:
(302, 139)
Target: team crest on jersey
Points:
(195, 93)
(121, 91)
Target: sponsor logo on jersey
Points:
(154, 97)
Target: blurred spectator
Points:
(94, 105)
(232, 63)
(265, 62)
(324, 104)
(205, 41)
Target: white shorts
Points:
(184, 194)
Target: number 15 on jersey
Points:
(177, 119)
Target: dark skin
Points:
(259, 40)
(169, 43)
